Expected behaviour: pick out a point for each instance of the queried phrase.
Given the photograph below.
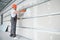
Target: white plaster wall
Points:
(47, 23)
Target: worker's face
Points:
(14, 8)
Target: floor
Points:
(5, 36)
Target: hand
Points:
(23, 10)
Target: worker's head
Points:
(14, 6)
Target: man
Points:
(13, 20)
(14, 13)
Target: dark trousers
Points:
(13, 24)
